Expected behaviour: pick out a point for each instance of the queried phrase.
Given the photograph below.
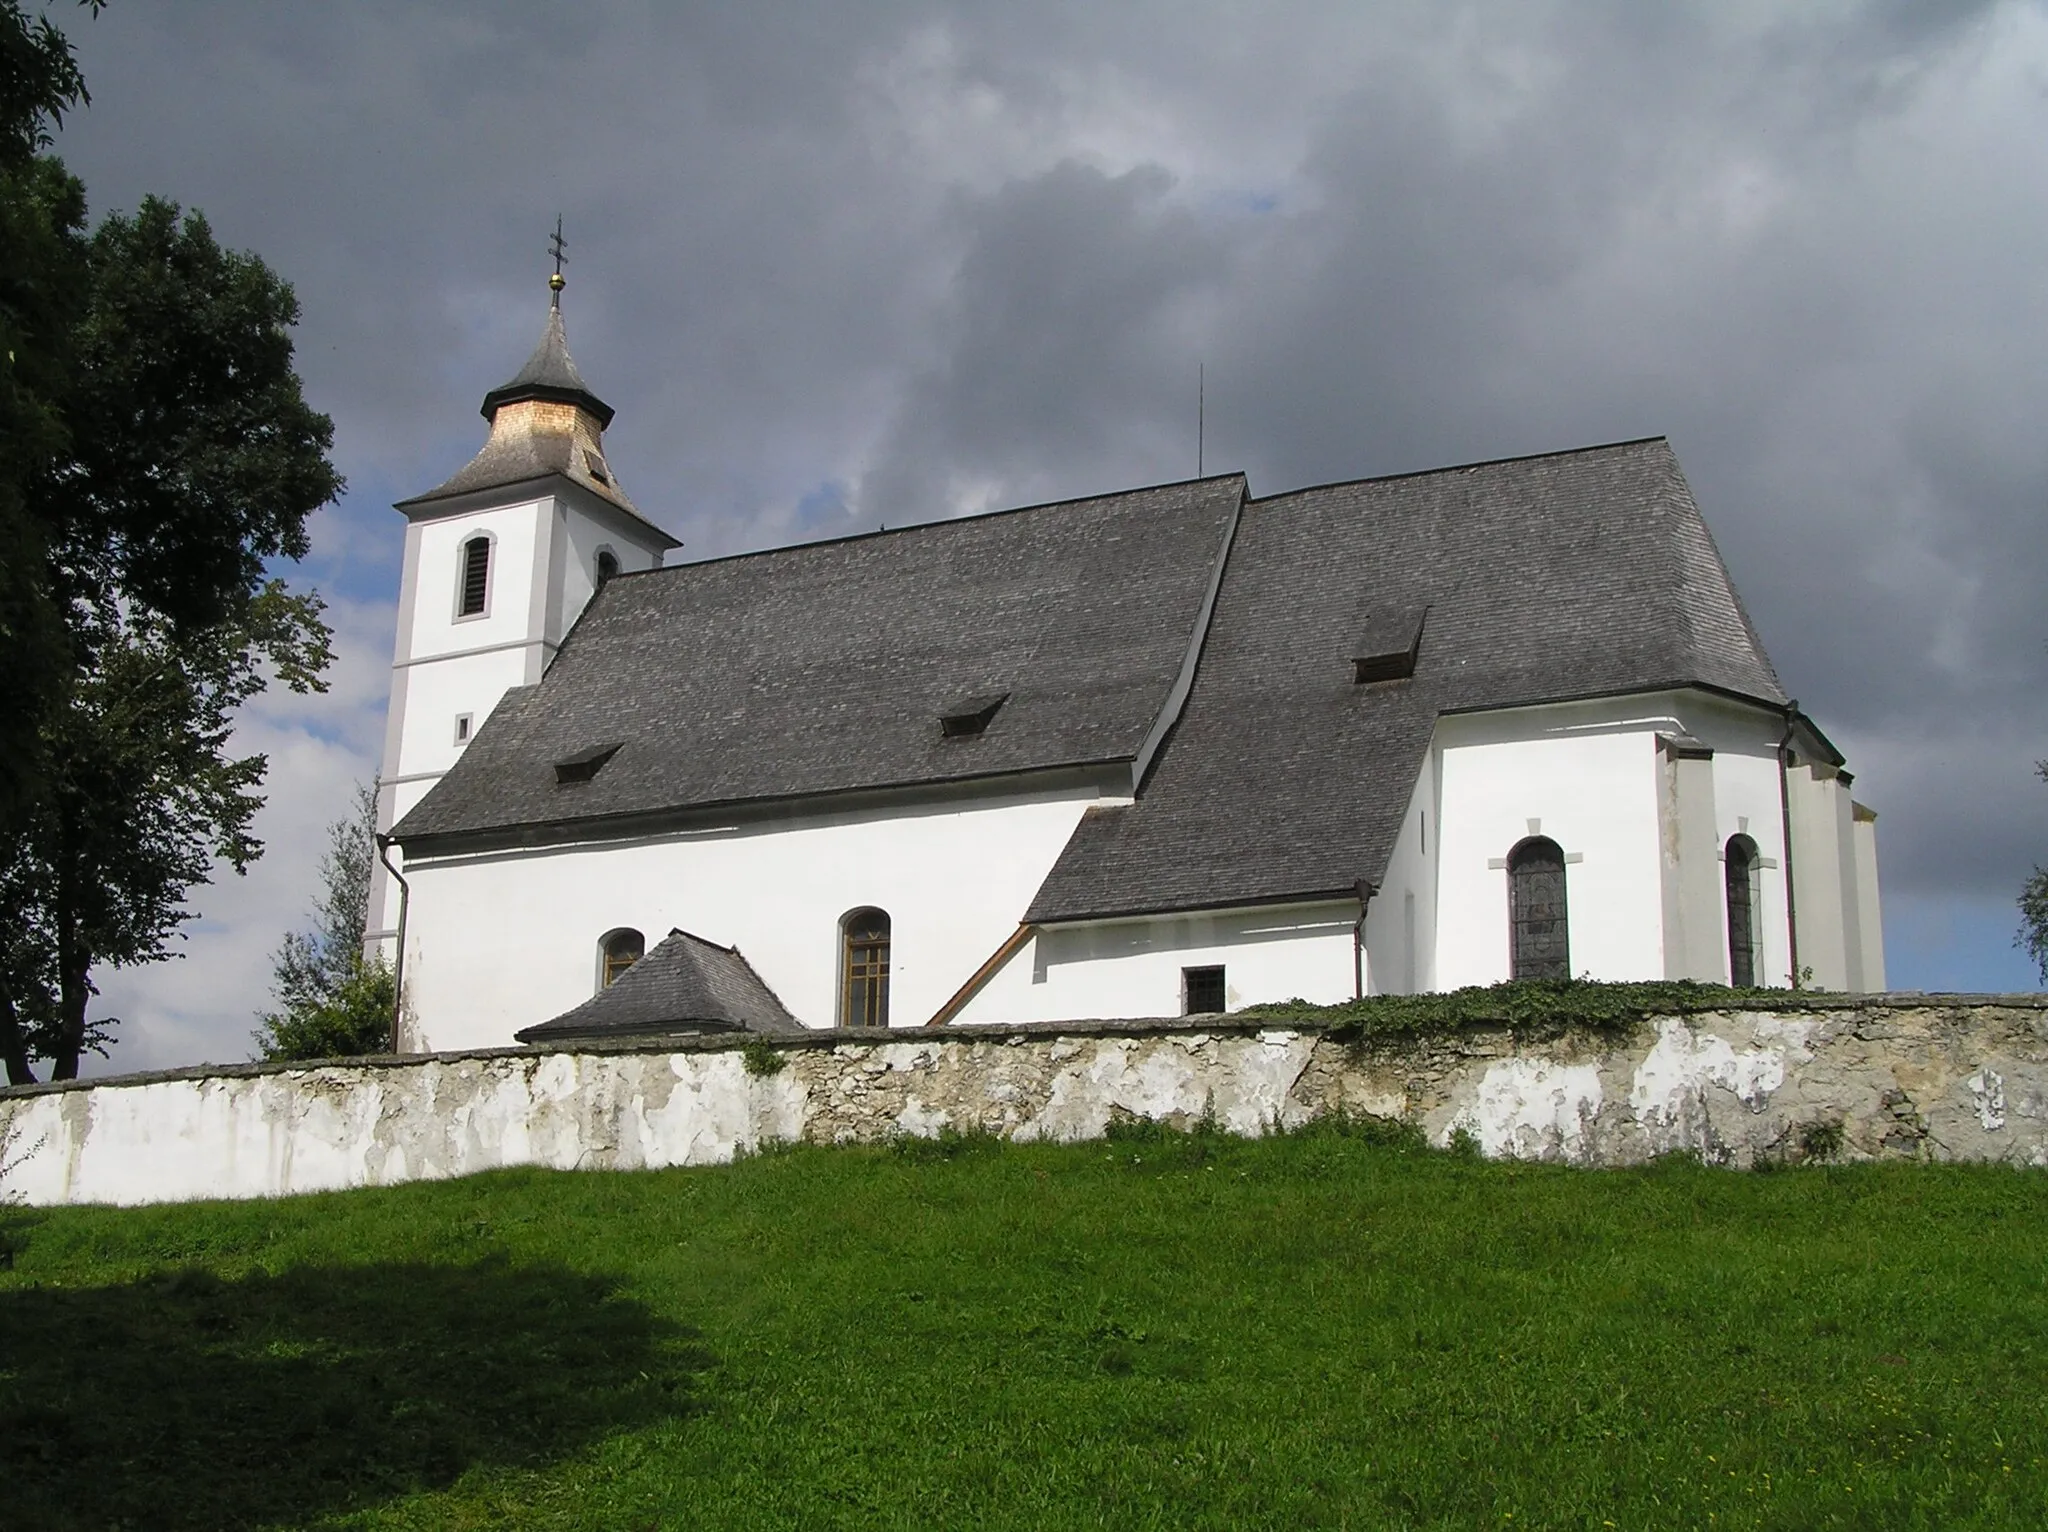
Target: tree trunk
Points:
(72, 964)
(14, 1043)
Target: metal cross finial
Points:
(560, 251)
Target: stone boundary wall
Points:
(1933, 1077)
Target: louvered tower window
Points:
(864, 967)
(1536, 913)
(1742, 891)
(476, 575)
(622, 949)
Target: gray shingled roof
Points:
(686, 984)
(1570, 575)
(550, 373)
(825, 668)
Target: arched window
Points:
(607, 565)
(476, 577)
(619, 951)
(1541, 946)
(1742, 892)
(864, 969)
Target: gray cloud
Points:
(838, 265)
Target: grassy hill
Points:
(1327, 1329)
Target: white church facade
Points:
(1172, 750)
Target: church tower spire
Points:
(500, 561)
(545, 420)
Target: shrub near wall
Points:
(1589, 1074)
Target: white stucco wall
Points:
(542, 574)
(1401, 925)
(496, 943)
(1868, 908)
(1117, 969)
(437, 545)
(1825, 874)
(440, 689)
(1590, 775)
(1587, 782)
(584, 537)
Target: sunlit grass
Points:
(1320, 1330)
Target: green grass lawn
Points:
(1317, 1330)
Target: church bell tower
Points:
(499, 562)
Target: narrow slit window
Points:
(1541, 943)
(1201, 991)
(476, 576)
(864, 969)
(622, 949)
(463, 724)
(1742, 901)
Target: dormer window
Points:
(970, 715)
(1387, 644)
(583, 765)
(476, 577)
(595, 466)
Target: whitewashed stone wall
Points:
(1951, 1078)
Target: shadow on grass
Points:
(185, 1400)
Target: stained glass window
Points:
(1536, 912)
(1741, 868)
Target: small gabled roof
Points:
(1574, 574)
(686, 984)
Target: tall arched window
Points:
(607, 565)
(1541, 945)
(1742, 892)
(476, 576)
(864, 969)
(619, 951)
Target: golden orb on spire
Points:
(556, 282)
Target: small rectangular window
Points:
(462, 724)
(1201, 991)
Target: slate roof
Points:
(825, 668)
(686, 984)
(1574, 574)
(550, 373)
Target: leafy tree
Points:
(2033, 934)
(155, 455)
(333, 1002)
(42, 287)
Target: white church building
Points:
(1171, 750)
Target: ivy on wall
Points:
(1536, 1007)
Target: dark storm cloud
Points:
(838, 265)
